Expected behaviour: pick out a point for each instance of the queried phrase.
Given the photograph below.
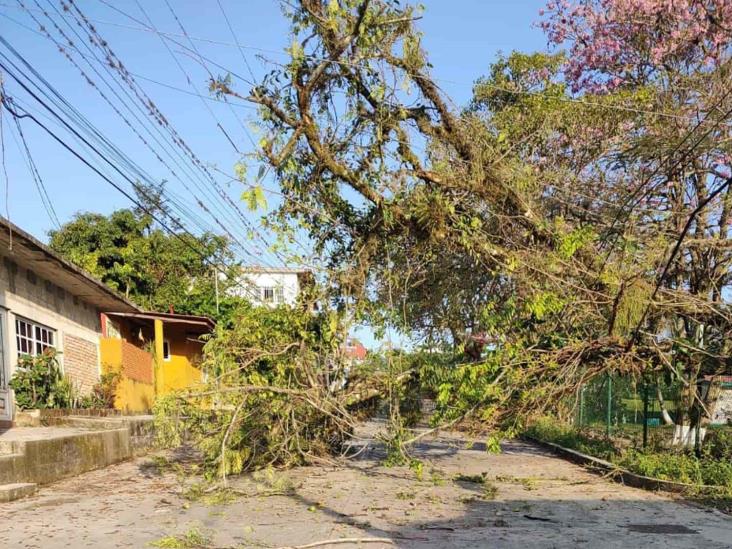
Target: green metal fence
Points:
(627, 409)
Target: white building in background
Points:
(272, 286)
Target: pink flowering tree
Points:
(629, 42)
(667, 61)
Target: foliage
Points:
(192, 539)
(35, 382)
(571, 220)
(38, 383)
(549, 430)
(132, 254)
(718, 444)
(619, 42)
(665, 464)
(274, 396)
(104, 392)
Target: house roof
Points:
(257, 269)
(21, 247)
(203, 322)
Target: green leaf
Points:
(240, 170)
(254, 198)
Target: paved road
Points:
(529, 499)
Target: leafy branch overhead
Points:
(573, 217)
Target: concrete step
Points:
(92, 423)
(6, 447)
(12, 468)
(11, 492)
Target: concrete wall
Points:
(251, 285)
(723, 411)
(53, 455)
(76, 322)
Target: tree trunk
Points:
(700, 401)
(667, 419)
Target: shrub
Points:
(36, 381)
(676, 467)
(714, 468)
(718, 444)
(104, 391)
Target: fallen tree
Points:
(573, 218)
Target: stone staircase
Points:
(10, 461)
(32, 456)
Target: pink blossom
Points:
(613, 41)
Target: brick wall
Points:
(137, 363)
(80, 362)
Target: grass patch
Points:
(713, 468)
(192, 539)
(473, 479)
(488, 489)
(549, 430)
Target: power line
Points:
(153, 111)
(8, 105)
(183, 208)
(35, 174)
(127, 77)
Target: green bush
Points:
(718, 443)
(676, 467)
(35, 382)
(104, 391)
(38, 383)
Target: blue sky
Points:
(461, 36)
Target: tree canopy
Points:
(130, 252)
(575, 215)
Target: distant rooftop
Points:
(254, 269)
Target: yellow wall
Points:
(181, 370)
(132, 395)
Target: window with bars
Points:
(33, 338)
(268, 294)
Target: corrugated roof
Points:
(174, 318)
(29, 252)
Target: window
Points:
(279, 294)
(268, 294)
(33, 338)
(166, 350)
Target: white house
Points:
(271, 286)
